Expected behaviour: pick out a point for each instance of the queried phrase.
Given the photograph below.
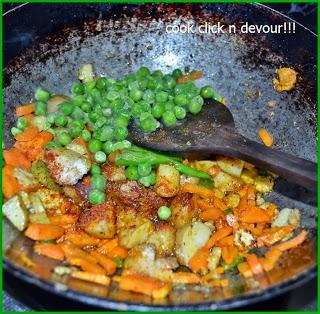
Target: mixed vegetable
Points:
(112, 211)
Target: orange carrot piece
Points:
(16, 158)
(265, 137)
(199, 261)
(80, 238)
(273, 254)
(254, 215)
(63, 220)
(118, 252)
(211, 214)
(86, 265)
(146, 285)
(24, 110)
(7, 170)
(292, 243)
(28, 134)
(50, 250)
(43, 232)
(218, 203)
(204, 204)
(218, 235)
(245, 270)
(243, 204)
(254, 264)
(87, 276)
(10, 186)
(195, 75)
(29, 117)
(185, 278)
(229, 254)
(197, 189)
(107, 245)
(219, 283)
(227, 241)
(107, 263)
(71, 250)
(272, 237)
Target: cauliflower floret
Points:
(86, 73)
(287, 216)
(243, 239)
(67, 167)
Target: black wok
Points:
(119, 38)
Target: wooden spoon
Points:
(213, 131)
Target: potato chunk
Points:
(230, 165)
(214, 258)
(16, 212)
(168, 181)
(99, 221)
(189, 239)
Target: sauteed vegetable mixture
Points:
(112, 211)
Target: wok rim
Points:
(249, 298)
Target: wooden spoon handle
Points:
(298, 170)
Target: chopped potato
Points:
(248, 176)
(204, 165)
(189, 239)
(168, 181)
(25, 177)
(214, 258)
(37, 211)
(232, 200)
(225, 182)
(230, 165)
(264, 184)
(287, 216)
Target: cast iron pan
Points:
(118, 39)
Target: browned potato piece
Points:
(163, 238)
(112, 172)
(182, 210)
(99, 221)
(168, 181)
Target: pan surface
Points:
(118, 39)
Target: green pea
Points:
(162, 96)
(149, 96)
(169, 83)
(77, 88)
(77, 100)
(136, 94)
(66, 108)
(61, 121)
(106, 133)
(164, 212)
(22, 123)
(95, 169)
(157, 74)
(100, 157)
(93, 116)
(144, 169)
(52, 131)
(41, 94)
(53, 144)
(98, 182)
(107, 147)
(121, 145)
(195, 104)
(64, 138)
(15, 131)
(158, 110)
(105, 103)
(207, 92)
(132, 173)
(94, 145)
(148, 180)
(169, 106)
(51, 117)
(120, 133)
(89, 86)
(143, 71)
(75, 131)
(159, 86)
(180, 100)
(151, 84)
(169, 119)
(121, 121)
(143, 83)
(40, 108)
(86, 106)
(77, 123)
(101, 83)
(176, 73)
(86, 135)
(77, 114)
(112, 95)
(149, 124)
(96, 197)
(179, 112)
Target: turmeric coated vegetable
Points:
(265, 137)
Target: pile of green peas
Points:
(107, 106)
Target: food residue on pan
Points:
(287, 79)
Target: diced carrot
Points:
(24, 110)
(29, 117)
(251, 196)
(107, 263)
(87, 276)
(211, 214)
(265, 137)
(195, 75)
(273, 254)
(197, 189)
(243, 204)
(245, 270)
(43, 232)
(86, 265)
(80, 238)
(63, 220)
(218, 235)
(227, 241)
(185, 278)
(272, 210)
(204, 204)
(118, 252)
(229, 253)
(254, 264)
(292, 243)
(199, 261)
(50, 250)
(219, 283)
(7, 170)
(107, 245)
(28, 134)
(218, 203)
(10, 186)
(254, 215)
(270, 237)
(146, 285)
(16, 158)
(71, 250)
